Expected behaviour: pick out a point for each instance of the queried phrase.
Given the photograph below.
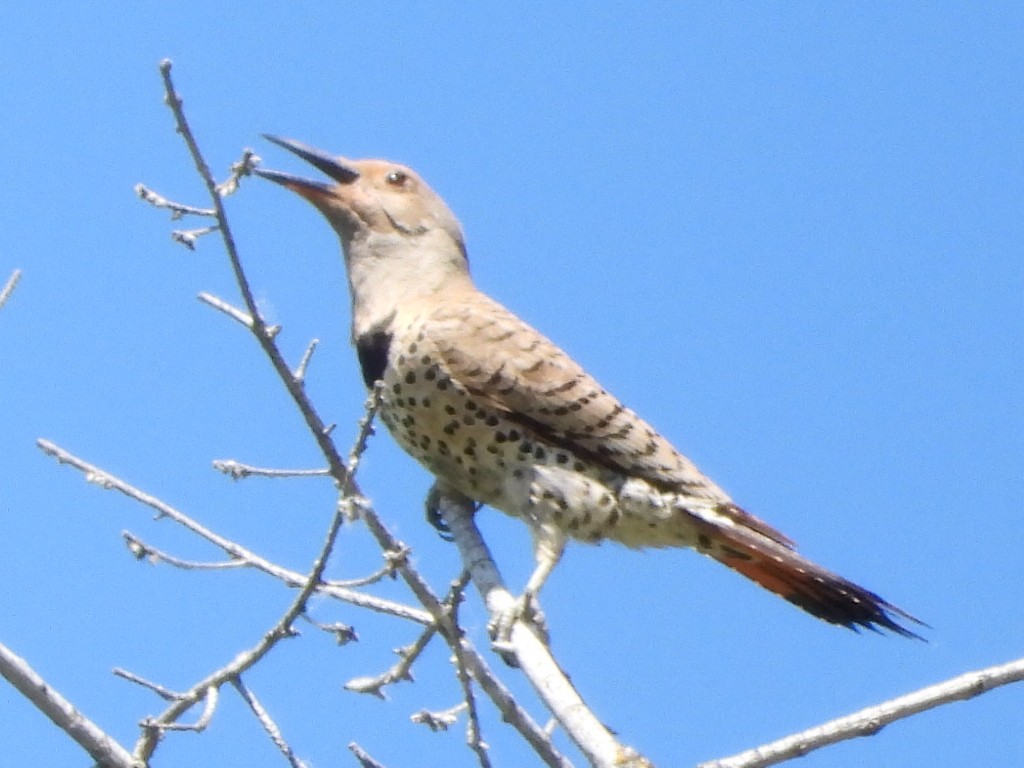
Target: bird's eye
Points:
(397, 178)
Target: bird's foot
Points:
(525, 608)
(435, 516)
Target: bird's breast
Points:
(453, 433)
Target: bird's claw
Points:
(434, 515)
(433, 504)
(526, 608)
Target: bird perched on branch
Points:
(501, 415)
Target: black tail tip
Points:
(856, 608)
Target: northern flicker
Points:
(500, 414)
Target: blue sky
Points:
(789, 235)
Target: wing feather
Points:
(517, 371)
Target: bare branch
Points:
(268, 724)
(290, 578)
(399, 671)
(343, 633)
(439, 721)
(210, 697)
(178, 210)
(259, 329)
(222, 306)
(185, 130)
(531, 653)
(284, 628)
(388, 571)
(101, 747)
(238, 471)
(8, 289)
(243, 167)
(364, 757)
(300, 372)
(188, 237)
(142, 551)
(474, 734)
(869, 721)
(159, 690)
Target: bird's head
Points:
(371, 197)
(399, 237)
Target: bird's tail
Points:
(773, 563)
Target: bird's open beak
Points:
(332, 166)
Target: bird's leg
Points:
(548, 545)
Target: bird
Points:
(501, 415)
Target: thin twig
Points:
(268, 723)
(388, 571)
(290, 578)
(307, 356)
(343, 633)
(243, 167)
(178, 210)
(210, 697)
(188, 237)
(474, 734)
(238, 471)
(222, 306)
(164, 693)
(143, 551)
(258, 326)
(282, 629)
(401, 670)
(364, 758)
(107, 752)
(8, 289)
(439, 721)
(870, 720)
